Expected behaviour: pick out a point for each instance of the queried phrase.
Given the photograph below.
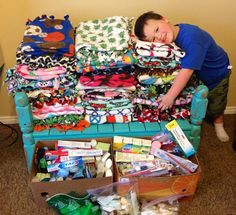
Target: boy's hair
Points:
(142, 20)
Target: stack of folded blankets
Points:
(95, 74)
(105, 64)
(158, 64)
(45, 70)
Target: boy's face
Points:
(160, 31)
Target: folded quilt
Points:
(107, 34)
(47, 35)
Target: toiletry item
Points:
(184, 164)
(76, 144)
(180, 137)
(83, 152)
(129, 157)
(103, 146)
(104, 166)
(43, 165)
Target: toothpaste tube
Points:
(53, 167)
(55, 154)
(85, 159)
(71, 163)
(81, 152)
(76, 144)
(63, 165)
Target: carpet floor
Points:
(215, 195)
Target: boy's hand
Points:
(166, 102)
(180, 82)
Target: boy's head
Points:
(153, 27)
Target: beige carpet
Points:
(216, 193)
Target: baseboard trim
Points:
(230, 110)
(14, 120)
(9, 119)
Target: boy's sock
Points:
(220, 132)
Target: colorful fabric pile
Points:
(105, 62)
(45, 70)
(158, 64)
(95, 74)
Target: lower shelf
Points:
(133, 129)
(110, 130)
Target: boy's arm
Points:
(180, 82)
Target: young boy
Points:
(202, 56)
